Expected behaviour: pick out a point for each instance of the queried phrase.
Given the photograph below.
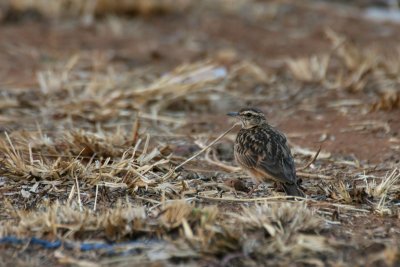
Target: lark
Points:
(263, 152)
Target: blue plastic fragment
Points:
(12, 240)
(95, 246)
(45, 243)
(110, 248)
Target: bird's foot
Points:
(250, 194)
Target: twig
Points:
(311, 161)
(79, 193)
(205, 148)
(313, 175)
(342, 206)
(171, 172)
(148, 200)
(11, 144)
(218, 163)
(135, 130)
(71, 195)
(252, 199)
(95, 198)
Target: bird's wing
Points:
(268, 152)
(278, 165)
(247, 158)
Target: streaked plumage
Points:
(263, 151)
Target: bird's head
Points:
(249, 117)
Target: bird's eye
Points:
(248, 115)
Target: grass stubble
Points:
(87, 157)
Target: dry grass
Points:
(99, 175)
(359, 70)
(94, 153)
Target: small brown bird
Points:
(263, 152)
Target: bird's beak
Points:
(233, 114)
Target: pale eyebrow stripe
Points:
(251, 112)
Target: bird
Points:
(263, 152)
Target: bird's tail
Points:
(293, 190)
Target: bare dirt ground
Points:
(96, 115)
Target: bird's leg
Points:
(254, 188)
(278, 187)
(235, 193)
